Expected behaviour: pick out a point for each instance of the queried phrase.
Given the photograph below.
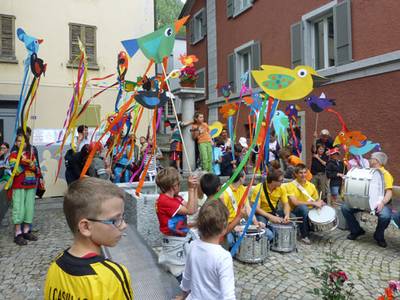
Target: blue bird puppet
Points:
(365, 148)
(319, 104)
(280, 121)
(31, 43)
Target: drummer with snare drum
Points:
(271, 193)
(303, 195)
(378, 160)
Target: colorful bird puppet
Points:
(156, 46)
(292, 111)
(27, 95)
(286, 84)
(350, 138)
(319, 104)
(244, 79)
(229, 109)
(215, 129)
(365, 148)
(225, 90)
(188, 60)
(151, 95)
(254, 103)
(280, 121)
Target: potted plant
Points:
(188, 76)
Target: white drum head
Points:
(376, 189)
(325, 214)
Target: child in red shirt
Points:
(172, 214)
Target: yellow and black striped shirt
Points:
(76, 278)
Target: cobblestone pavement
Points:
(23, 269)
(282, 276)
(288, 276)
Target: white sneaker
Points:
(306, 241)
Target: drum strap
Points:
(232, 197)
(268, 199)
(303, 190)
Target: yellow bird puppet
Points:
(286, 84)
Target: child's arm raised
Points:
(191, 206)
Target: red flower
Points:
(340, 275)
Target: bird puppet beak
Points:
(336, 141)
(179, 23)
(40, 41)
(319, 80)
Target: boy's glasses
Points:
(116, 222)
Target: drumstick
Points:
(295, 218)
(297, 221)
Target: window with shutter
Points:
(7, 39)
(199, 26)
(323, 38)
(200, 83)
(240, 6)
(87, 35)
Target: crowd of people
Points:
(196, 252)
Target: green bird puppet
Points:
(156, 46)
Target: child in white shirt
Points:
(209, 267)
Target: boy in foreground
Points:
(209, 268)
(94, 209)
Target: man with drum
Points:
(303, 196)
(378, 160)
(271, 193)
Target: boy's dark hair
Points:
(84, 198)
(210, 184)
(167, 178)
(274, 175)
(212, 219)
(240, 175)
(299, 168)
(238, 148)
(219, 142)
(275, 164)
(317, 146)
(20, 131)
(81, 128)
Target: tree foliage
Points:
(167, 11)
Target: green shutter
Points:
(296, 44)
(90, 44)
(255, 59)
(7, 36)
(229, 8)
(342, 23)
(74, 34)
(232, 70)
(191, 31)
(203, 23)
(200, 83)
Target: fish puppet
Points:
(280, 121)
(319, 104)
(286, 84)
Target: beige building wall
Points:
(49, 20)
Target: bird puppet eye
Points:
(302, 72)
(168, 31)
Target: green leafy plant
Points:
(335, 283)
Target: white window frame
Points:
(324, 19)
(240, 6)
(197, 26)
(245, 48)
(308, 21)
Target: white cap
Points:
(243, 142)
(325, 132)
(380, 157)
